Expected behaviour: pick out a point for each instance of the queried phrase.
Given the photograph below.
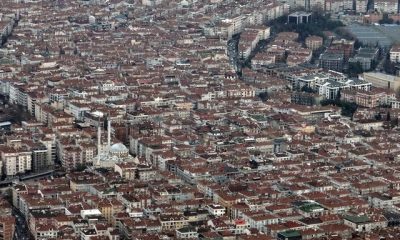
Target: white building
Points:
(151, 3)
(15, 161)
(77, 110)
(89, 213)
(216, 210)
(361, 6)
(309, 81)
(395, 54)
(387, 6)
(330, 89)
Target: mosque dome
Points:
(184, 3)
(118, 148)
(97, 114)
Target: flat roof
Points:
(384, 35)
(300, 13)
(382, 76)
(7, 123)
(357, 219)
(290, 233)
(331, 56)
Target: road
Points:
(233, 51)
(21, 227)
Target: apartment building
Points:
(15, 160)
(395, 54)
(361, 6)
(314, 42)
(332, 61)
(7, 227)
(386, 6)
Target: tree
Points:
(355, 68)
(385, 19)
(388, 116)
(389, 67)
(339, 95)
(395, 122)
(327, 102)
(307, 89)
(344, 33)
(357, 44)
(263, 96)
(80, 168)
(348, 109)
(316, 26)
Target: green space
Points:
(311, 207)
(348, 109)
(290, 234)
(357, 219)
(319, 24)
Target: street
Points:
(21, 228)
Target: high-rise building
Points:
(39, 158)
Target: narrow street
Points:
(21, 228)
(233, 52)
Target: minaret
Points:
(98, 144)
(109, 135)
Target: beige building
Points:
(314, 42)
(382, 80)
(173, 221)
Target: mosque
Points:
(112, 154)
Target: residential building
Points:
(395, 54)
(366, 57)
(7, 227)
(331, 61)
(382, 80)
(361, 6)
(314, 42)
(15, 161)
(373, 98)
(386, 6)
(39, 158)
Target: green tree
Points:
(307, 89)
(347, 109)
(355, 68)
(263, 96)
(339, 95)
(80, 168)
(357, 44)
(389, 67)
(385, 19)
